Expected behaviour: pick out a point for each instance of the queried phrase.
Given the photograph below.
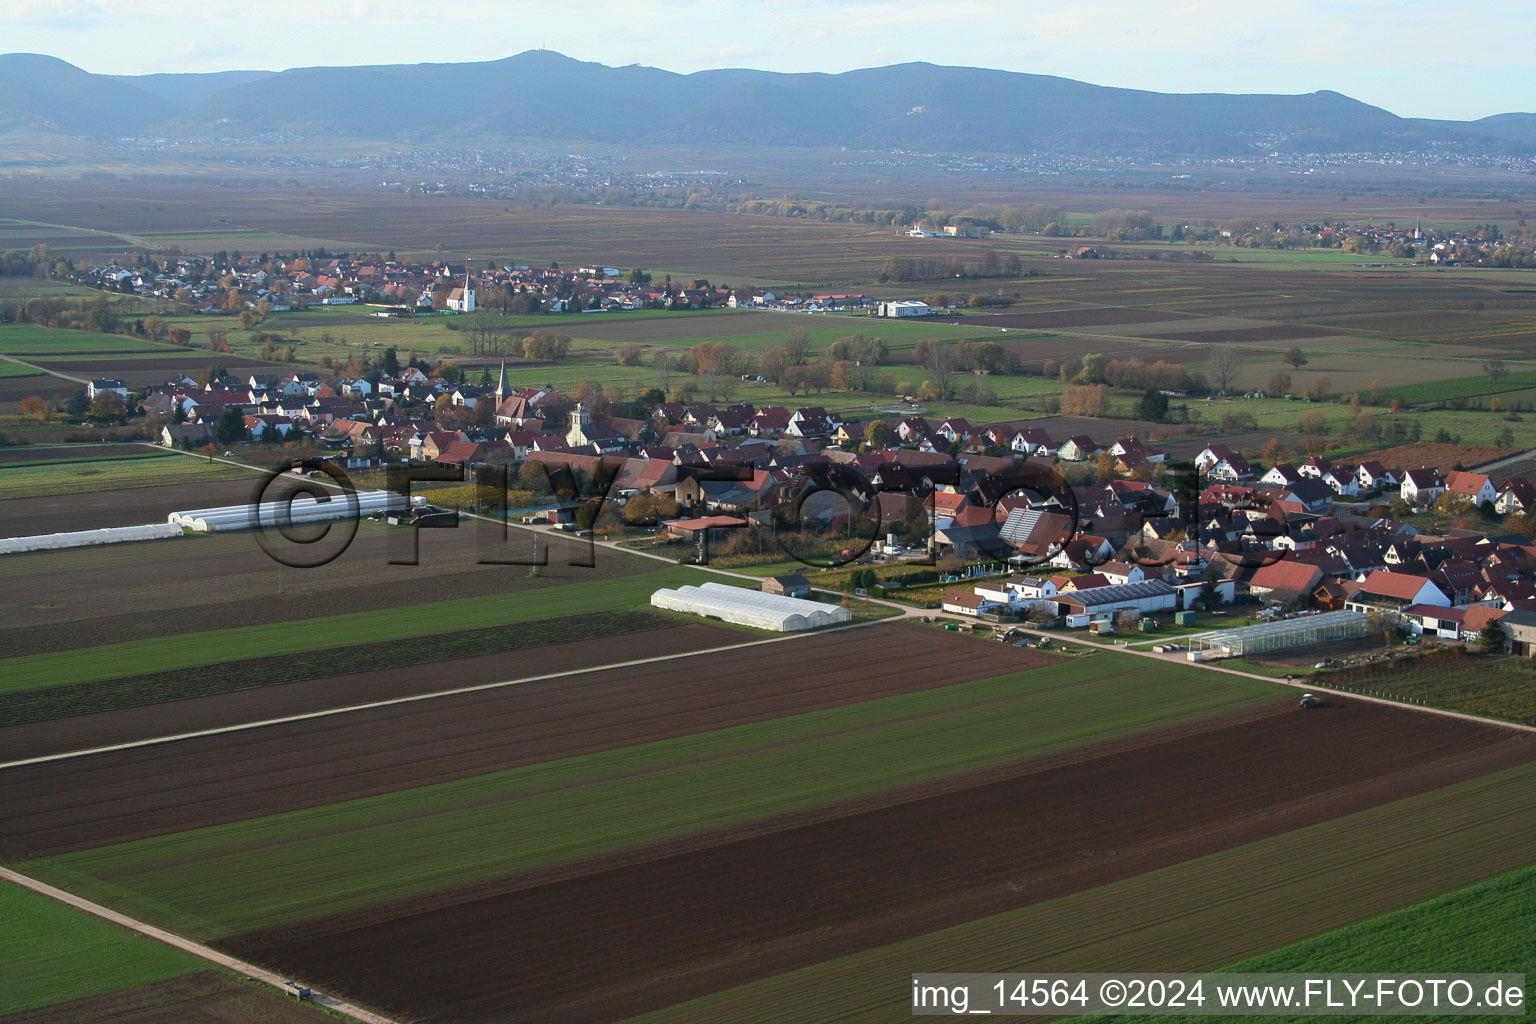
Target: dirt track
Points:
(112, 798)
(608, 940)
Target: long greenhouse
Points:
(751, 607)
(1274, 636)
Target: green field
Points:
(291, 867)
(1487, 928)
(187, 650)
(61, 700)
(1464, 387)
(116, 472)
(1200, 915)
(9, 369)
(51, 953)
(28, 339)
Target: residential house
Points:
(1421, 486)
(1476, 486)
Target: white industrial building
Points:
(903, 307)
(751, 607)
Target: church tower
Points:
(503, 386)
(469, 289)
(577, 435)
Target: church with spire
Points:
(463, 299)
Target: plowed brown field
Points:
(111, 798)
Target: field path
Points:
(187, 945)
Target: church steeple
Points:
(503, 386)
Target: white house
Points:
(1421, 486)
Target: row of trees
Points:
(931, 268)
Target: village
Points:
(1097, 535)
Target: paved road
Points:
(195, 948)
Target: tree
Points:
(1490, 639)
(231, 426)
(941, 361)
(1496, 369)
(628, 355)
(1093, 369)
(37, 405)
(1153, 406)
(1453, 505)
(1294, 358)
(1318, 389)
(390, 363)
(1279, 383)
(108, 407)
(797, 346)
(663, 365)
(1379, 620)
(78, 404)
(879, 434)
(1223, 366)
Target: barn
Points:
(751, 607)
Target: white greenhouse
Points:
(303, 509)
(87, 538)
(751, 607)
(1274, 636)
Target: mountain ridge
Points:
(544, 94)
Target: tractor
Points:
(1311, 700)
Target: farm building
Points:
(1107, 602)
(1274, 636)
(964, 602)
(751, 607)
(791, 584)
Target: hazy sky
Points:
(1423, 58)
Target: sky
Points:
(1416, 58)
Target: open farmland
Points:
(882, 869)
(1182, 918)
(491, 844)
(145, 468)
(55, 954)
(189, 999)
(1482, 928)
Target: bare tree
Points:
(941, 361)
(664, 371)
(1224, 364)
(797, 346)
(1496, 369)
